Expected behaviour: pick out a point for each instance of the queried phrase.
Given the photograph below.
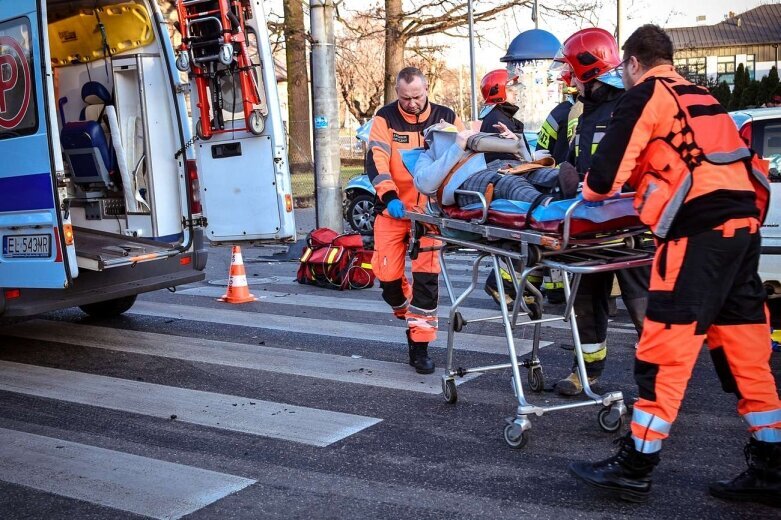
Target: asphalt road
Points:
(300, 405)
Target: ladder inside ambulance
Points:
(214, 47)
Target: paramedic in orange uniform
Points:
(704, 196)
(399, 126)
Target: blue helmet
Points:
(534, 44)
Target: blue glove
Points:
(396, 208)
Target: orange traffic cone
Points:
(238, 291)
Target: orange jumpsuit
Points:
(704, 195)
(394, 130)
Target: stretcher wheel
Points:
(610, 419)
(449, 391)
(536, 379)
(256, 123)
(226, 54)
(458, 322)
(183, 62)
(199, 131)
(515, 436)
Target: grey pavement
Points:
(302, 405)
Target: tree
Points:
(360, 49)
(428, 18)
(721, 93)
(740, 84)
(749, 97)
(299, 114)
(767, 86)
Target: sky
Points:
(494, 37)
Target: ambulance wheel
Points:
(515, 437)
(536, 379)
(199, 131)
(109, 308)
(610, 419)
(449, 391)
(256, 124)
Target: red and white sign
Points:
(15, 83)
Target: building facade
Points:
(708, 53)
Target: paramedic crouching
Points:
(704, 199)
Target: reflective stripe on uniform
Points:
(381, 178)
(645, 446)
(385, 147)
(650, 421)
(728, 157)
(593, 352)
(763, 419)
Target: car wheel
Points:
(360, 213)
(109, 308)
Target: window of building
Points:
(692, 69)
(750, 65)
(725, 69)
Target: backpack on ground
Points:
(335, 261)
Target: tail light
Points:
(67, 232)
(11, 294)
(195, 187)
(746, 133)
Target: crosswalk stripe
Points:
(140, 485)
(228, 412)
(328, 302)
(364, 371)
(307, 299)
(340, 329)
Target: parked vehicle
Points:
(104, 193)
(761, 129)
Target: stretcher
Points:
(573, 238)
(214, 47)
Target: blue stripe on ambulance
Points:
(27, 201)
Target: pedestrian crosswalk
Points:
(155, 483)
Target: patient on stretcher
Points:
(520, 193)
(453, 161)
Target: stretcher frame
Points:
(534, 251)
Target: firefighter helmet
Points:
(492, 86)
(591, 52)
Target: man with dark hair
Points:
(704, 195)
(399, 126)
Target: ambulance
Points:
(105, 190)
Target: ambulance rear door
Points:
(244, 177)
(31, 241)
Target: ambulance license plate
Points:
(27, 246)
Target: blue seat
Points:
(85, 143)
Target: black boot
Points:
(418, 356)
(761, 482)
(627, 474)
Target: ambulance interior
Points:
(123, 172)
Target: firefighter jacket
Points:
(592, 123)
(394, 130)
(680, 150)
(553, 134)
(501, 113)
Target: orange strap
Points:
(453, 170)
(729, 227)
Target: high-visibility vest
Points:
(702, 154)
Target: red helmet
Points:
(492, 86)
(591, 52)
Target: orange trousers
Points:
(706, 287)
(416, 302)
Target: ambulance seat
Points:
(85, 143)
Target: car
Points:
(359, 194)
(761, 129)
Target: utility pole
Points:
(325, 108)
(620, 23)
(472, 64)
